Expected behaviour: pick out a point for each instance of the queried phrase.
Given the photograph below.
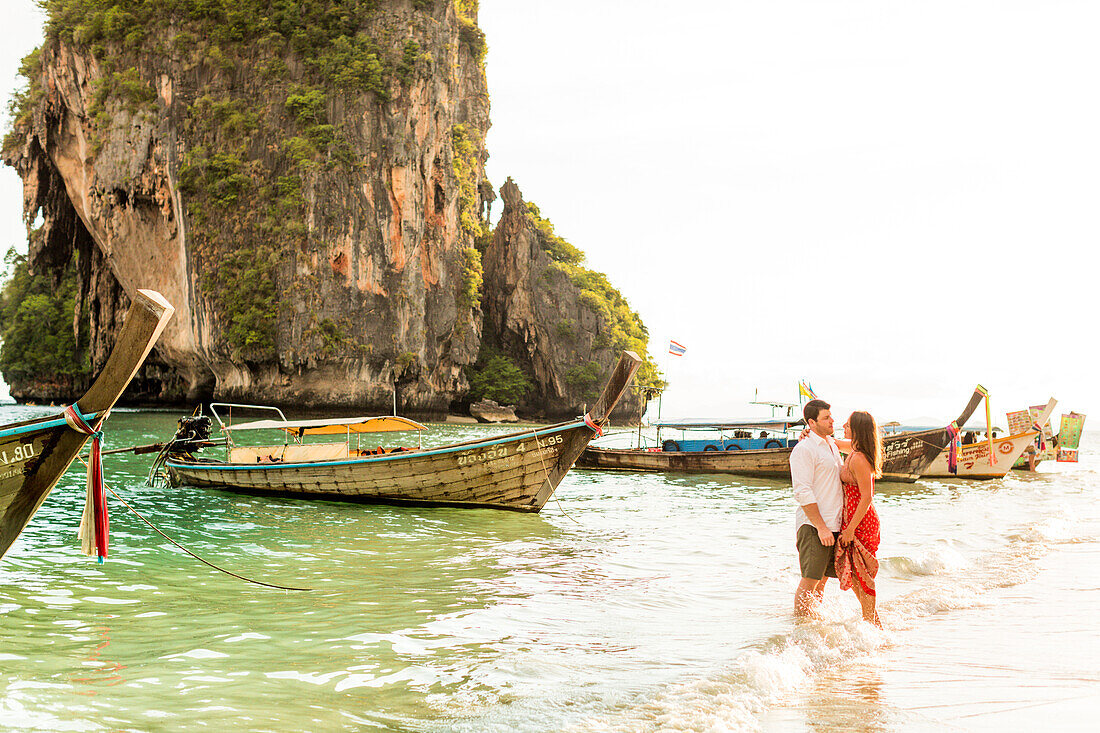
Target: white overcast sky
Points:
(895, 200)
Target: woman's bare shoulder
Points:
(858, 459)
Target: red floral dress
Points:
(857, 562)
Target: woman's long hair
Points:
(867, 440)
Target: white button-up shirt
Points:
(815, 476)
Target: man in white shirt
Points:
(815, 476)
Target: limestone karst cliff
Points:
(302, 179)
(561, 322)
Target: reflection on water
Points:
(849, 698)
(632, 602)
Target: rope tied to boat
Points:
(94, 523)
(203, 560)
(593, 425)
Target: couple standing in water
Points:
(837, 531)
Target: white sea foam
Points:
(782, 667)
(931, 561)
(734, 697)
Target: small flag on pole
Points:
(676, 348)
(805, 390)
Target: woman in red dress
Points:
(856, 564)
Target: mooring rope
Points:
(546, 473)
(192, 554)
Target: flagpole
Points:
(675, 348)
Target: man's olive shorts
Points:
(814, 559)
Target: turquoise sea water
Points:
(633, 602)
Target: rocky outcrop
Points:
(559, 332)
(308, 190)
(312, 224)
(489, 411)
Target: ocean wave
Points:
(778, 670)
(768, 674)
(931, 561)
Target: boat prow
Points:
(39, 451)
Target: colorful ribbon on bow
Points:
(94, 524)
(953, 433)
(1040, 440)
(593, 426)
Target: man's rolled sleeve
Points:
(802, 477)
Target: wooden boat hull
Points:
(904, 456)
(973, 460)
(764, 463)
(518, 471)
(35, 453)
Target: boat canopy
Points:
(334, 426)
(772, 423)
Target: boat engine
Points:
(192, 435)
(192, 428)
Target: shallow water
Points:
(633, 602)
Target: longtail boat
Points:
(905, 455)
(726, 450)
(1062, 447)
(972, 461)
(517, 471)
(35, 453)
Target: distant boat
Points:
(972, 461)
(1062, 447)
(35, 453)
(724, 448)
(905, 454)
(518, 471)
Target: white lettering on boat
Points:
(896, 448)
(547, 447)
(19, 454)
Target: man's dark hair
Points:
(813, 407)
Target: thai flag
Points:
(676, 349)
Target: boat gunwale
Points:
(215, 464)
(35, 425)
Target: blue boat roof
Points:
(775, 423)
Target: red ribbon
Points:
(593, 426)
(953, 452)
(97, 497)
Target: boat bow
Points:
(51, 443)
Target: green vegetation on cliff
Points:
(36, 325)
(624, 327)
(253, 141)
(496, 377)
(465, 165)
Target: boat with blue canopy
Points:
(762, 447)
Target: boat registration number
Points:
(502, 451)
(10, 458)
